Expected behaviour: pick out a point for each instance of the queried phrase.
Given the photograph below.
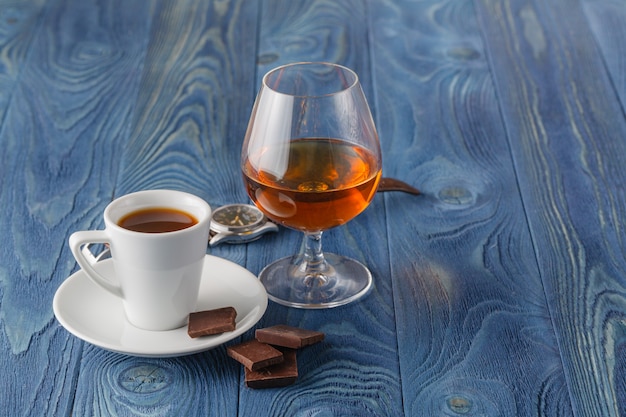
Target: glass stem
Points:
(310, 262)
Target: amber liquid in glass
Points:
(325, 183)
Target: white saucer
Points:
(95, 316)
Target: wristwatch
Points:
(238, 223)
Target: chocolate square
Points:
(254, 354)
(211, 322)
(281, 375)
(288, 336)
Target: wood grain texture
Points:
(354, 371)
(474, 331)
(183, 135)
(606, 24)
(19, 22)
(189, 126)
(63, 124)
(605, 20)
(119, 385)
(500, 291)
(566, 132)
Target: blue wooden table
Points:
(500, 291)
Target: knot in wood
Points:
(144, 379)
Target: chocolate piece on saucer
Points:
(288, 336)
(274, 376)
(254, 354)
(210, 322)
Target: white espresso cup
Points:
(157, 274)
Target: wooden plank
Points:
(55, 135)
(185, 134)
(19, 23)
(118, 385)
(355, 370)
(188, 131)
(606, 18)
(474, 331)
(566, 130)
(606, 22)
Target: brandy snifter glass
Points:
(311, 161)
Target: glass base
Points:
(339, 281)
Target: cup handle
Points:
(77, 241)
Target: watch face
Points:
(237, 217)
